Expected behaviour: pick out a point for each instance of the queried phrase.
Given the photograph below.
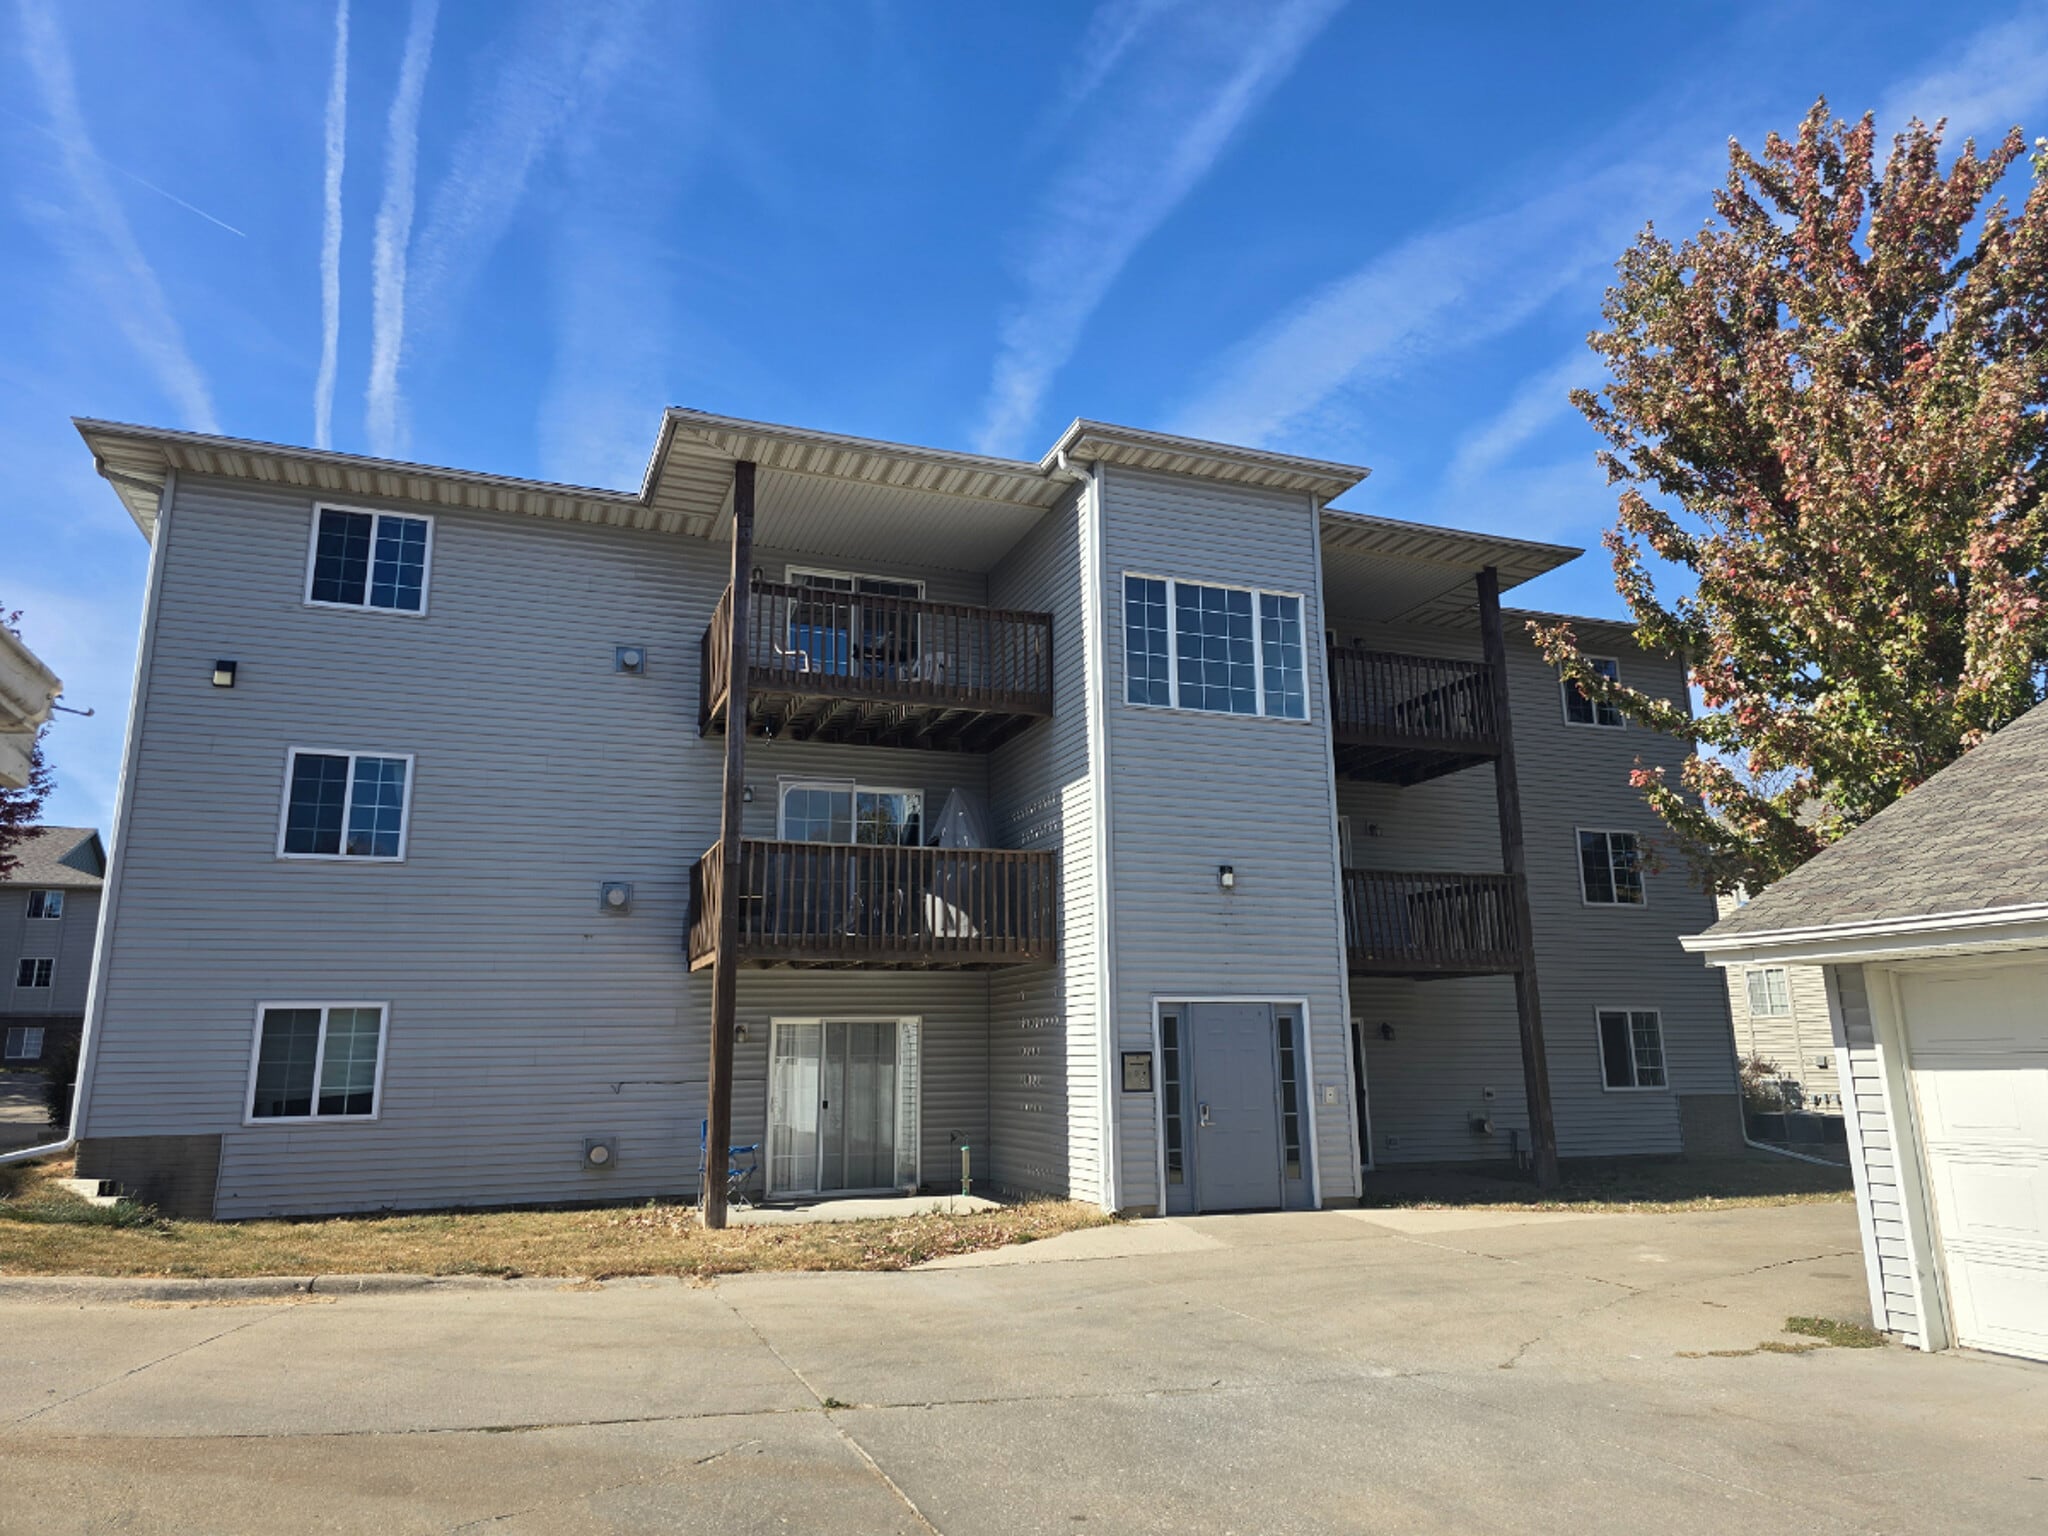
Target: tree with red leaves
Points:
(21, 808)
(1827, 409)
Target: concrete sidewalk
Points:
(1340, 1372)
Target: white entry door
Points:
(842, 1106)
(1977, 1045)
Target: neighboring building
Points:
(416, 900)
(1930, 926)
(1781, 1019)
(28, 689)
(49, 913)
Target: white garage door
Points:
(1978, 1045)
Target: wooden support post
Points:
(1508, 800)
(725, 975)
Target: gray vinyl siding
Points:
(1454, 1039)
(67, 940)
(1193, 790)
(1872, 1158)
(1044, 1041)
(522, 1018)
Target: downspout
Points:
(124, 814)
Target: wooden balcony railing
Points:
(1407, 924)
(886, 671)
(1402, 719)
(878, 907)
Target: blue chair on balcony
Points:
(742, 1166)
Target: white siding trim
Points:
(1887, 1029)
(1101, 834)
(1859, 1172)
(124, 808)
(1361, 1151)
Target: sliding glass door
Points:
(842, 1106)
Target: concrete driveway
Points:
(1341, 1372)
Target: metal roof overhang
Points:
(1418, 572)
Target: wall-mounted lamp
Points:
(739, 1034)
(224, 674)
(1226, 877)
(1386, 1031)
(747, 793)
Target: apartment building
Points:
(49, 912)
(1132, 822)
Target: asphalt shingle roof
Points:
(1974, 836)
(61, 857)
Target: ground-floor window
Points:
(1631, 1048)
(842, 1105)
(25, 1043)
(317, 1061)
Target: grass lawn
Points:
(45, 1230)
(1647, 1184)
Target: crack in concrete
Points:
(133, 1371)
(827, 1406)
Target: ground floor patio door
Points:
(842, 1106)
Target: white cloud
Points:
(1143, 155)
(96, 233)
(1539, 402)
(394, 232)
(1999, 76)
(330, 233)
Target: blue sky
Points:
(503, 234)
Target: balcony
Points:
(863, 907)
(1430, 925)
(1404, 719)
(879, 671)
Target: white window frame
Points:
(284, 810)
(249, 1115)
(791, 572)
(1564, 702)
(1749, 992)
(1173, 703)
(22, 1032)
(366, 606)
(856, 790)
(1600, 1050)
(35, 986)
(910, 1023)
(46, 916)
(1642, 875)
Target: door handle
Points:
(1202, 1115)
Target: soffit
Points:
(1376, 568)
(1090, 442)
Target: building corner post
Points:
(725, 961)
(1508, 801)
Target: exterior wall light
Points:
(747, 793)
(1226, 877)
(224, 674)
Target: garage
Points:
(1930, 925)
(1977, 1054)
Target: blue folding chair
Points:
(742, 1166)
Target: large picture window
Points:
(317, 1061)
(345, 805)
(369, 560)
(1631, 1048)
(1223, 650)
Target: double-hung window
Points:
(1631, 1048)
(1611, 869)
(1770, 992)
(369, 560)
(25, 1043)
(1226, 650)
(317, 1061)
(34, 971)
(1581, 710)
(45, 904)
(345, 805)
(852, 813)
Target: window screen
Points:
(1610, 868)
(1631, 1048)
(317, 1062)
